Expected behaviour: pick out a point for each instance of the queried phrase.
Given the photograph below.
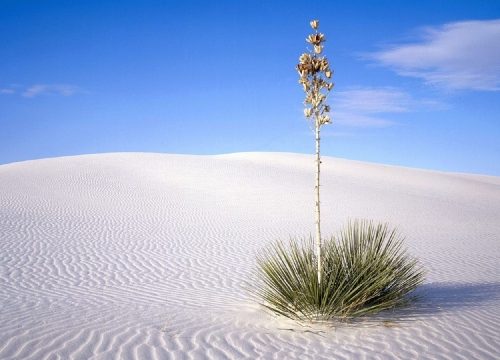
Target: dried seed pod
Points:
(317, 64)
(324, 64)
(305, 58)
(303, 69)
(314, 24)
(316, 39)
(324, 119)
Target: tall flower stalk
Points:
(314, 71)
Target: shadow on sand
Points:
(436, 298)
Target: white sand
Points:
(144, 256)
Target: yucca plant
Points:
(365, 270)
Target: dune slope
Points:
(146, 256)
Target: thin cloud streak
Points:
(455, 56)
(351, 119)
(366, 107)
(373, 100)
(50, 89)
(7, 91)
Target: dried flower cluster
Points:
(314, 71)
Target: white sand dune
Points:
(145, 256)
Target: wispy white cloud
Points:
(370, 107)
(7, 91)
(352, 119)
(50, 89)
(35, 90)
(373, 100)
(458, 55)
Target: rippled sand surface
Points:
(146, 256)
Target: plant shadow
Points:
(434, 299)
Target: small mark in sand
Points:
(318, 332)
(389, 324)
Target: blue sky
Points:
(417, 83)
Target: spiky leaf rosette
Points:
(366, 270)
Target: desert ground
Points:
(150, 256)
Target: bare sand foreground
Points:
(145, 256)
